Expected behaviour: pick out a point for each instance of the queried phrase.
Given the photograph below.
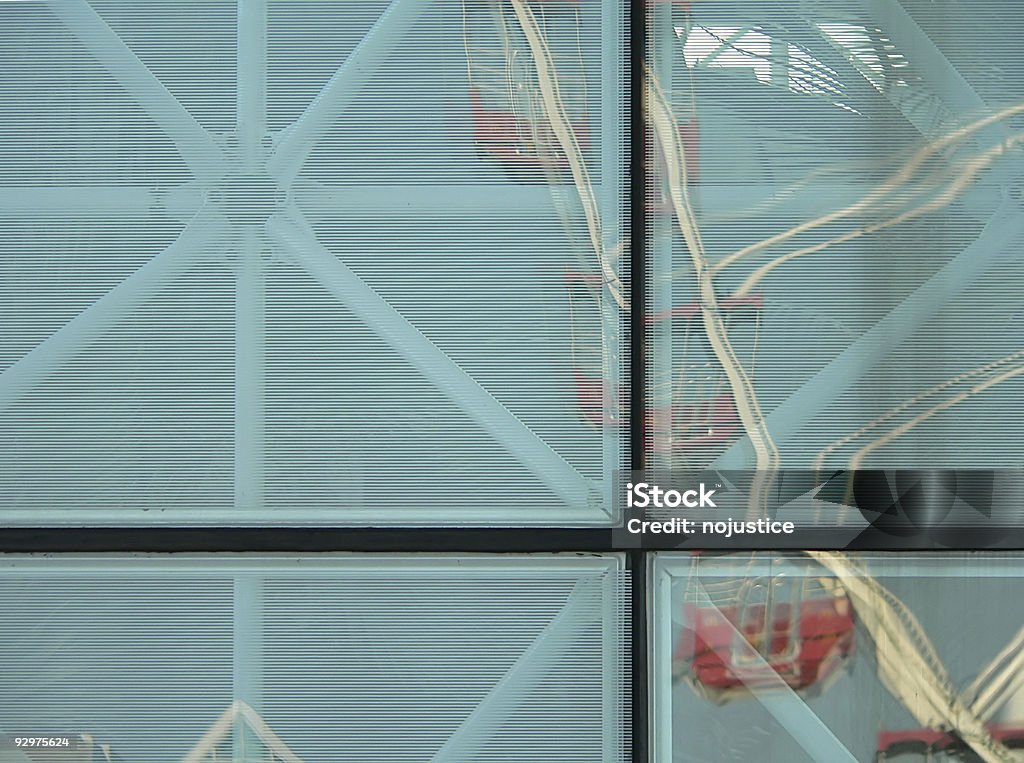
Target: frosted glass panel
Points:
(319, 659)
(260, 258)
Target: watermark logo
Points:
(643, 495)
(795, 508)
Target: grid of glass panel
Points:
(295, 262)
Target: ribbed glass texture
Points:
(834, 269)
(932, 660)
(388, 659)
(260, 258)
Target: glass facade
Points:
(379, 278)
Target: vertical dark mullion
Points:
(637, 560)
(638, 182)
(640, 694)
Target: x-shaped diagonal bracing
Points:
(242, 189)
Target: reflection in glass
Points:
(904, 656)
(849, 166)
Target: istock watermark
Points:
(642, 496)
(802, 508)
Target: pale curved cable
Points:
(895, 198)
(819, 462)
(752, 417)
(887, 186)
(994, 687)
(968, 173)
(908, 665)
(550, 172)
(859, 457)
(547, 81)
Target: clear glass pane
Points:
(826, 656)
(835, 226)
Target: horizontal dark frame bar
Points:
(304, 539)
(496, 540)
